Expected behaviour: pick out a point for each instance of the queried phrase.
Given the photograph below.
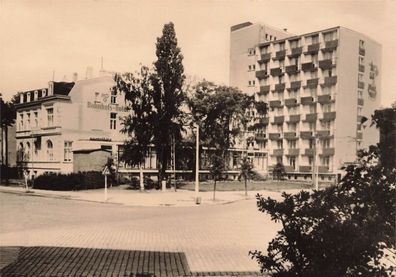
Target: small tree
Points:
(279, 171)
(8, 116)
(216, 170)
(343, 230)
(245, 171)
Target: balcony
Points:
(279, 119)
(275, 104)
(360, 102)
(261, 74)
(324, 99)
(295, 85)
(264, 58)
(362, 51)
(274, 136)
(279, 87)
(277, 152)
(279, 55)
(295, 118)
(305, 168)
(312, 117)
(309, 152)
(361, 85)
(290, 135)
(295, 52)
(329, 81)
(260, 137)
(306, 134)
(289, 168)
(275, 72)
(312, 49)
(312, 83)
(328, 151)
(291, 69)
(361, 68)
(359, 135)
(323, 134)
(264, 90)
(307, 100)
(372, 90)
(264, 120)
(293, 152)
(330, 45)
(291, 102)
(310, 66)
(326, 64)
(329, 116)
(323, 169)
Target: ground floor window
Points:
(68, 151)
(50, 150)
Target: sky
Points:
(42, 38)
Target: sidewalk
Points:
(121, 195)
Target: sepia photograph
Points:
(198, 138)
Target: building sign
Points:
(100, 139)
(107, 107)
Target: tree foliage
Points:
(279, 171)
(245, 171)
(154, 98)
(343, 230)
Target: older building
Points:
(321, 88)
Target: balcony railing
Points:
(295, 118)
(305, 134)
(295, 52)
(312, 117)
(359, 135)
(291, 102)
(361, 85)
(276, 72)
(328, 116)
(309, 152)
(329, 81)
(274, 136)
(360, 102)
(279, 87)
(260, 137)
(261, 74)
(326, 64)
(307, 100)
(312, 83)
(312, 49)
(330, 45)
(328, 152)
(289, 168)
(279, 119)
(372, 90)
(291, 69)
(275, 104)
(293, 151)
(362, 51)
(277, 152)
(361, 68)
(323, 169)
(264, 90)
(289, 135)
(295, 85)
(323, 133)
(305, 168)
(279, 55)
(309, 66)
(324, 99)
(264, 58)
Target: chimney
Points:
(50, 88)
(75, 77)
(285, 29)
(89, 73)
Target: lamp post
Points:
(197, 198)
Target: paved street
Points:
(212, 238)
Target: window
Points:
(113, 97)
(325, 125)
(326, 143)
(21, 122)
(67, 157)
(278, 160)
(35, 119)
(292, 110)
(361, 43)
(280, 144)
(50, 151)
(314, 59)
(50, 117)
(360, 77)
(310, 160)
(325, 161)
(361, 60)
(97, 97)
(326, 108)
(113, 121)
(282, 64)
(292, 144)
(312, 109)
(312, 126)
(279, 128)
(360, 93)
(292, 127)
(360, 110)
(292, 162)
(251, 51)
(28, 121)
(294, 44)
(281, 79)
(281, 46)
(315, 39)
(328, 36)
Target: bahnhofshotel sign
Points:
(107, 107)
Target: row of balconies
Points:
(303, 168)
(296, 85)
(329, 46)
(321, 134)
(312, 117)
(305, 100)
(307, 152)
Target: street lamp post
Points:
(197, 199)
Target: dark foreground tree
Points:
(8, 116)
(246, 171)
(154, 97)
(216, 170)
(346, 230)
(279, 171)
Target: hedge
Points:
(72, 181)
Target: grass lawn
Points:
(252, 185)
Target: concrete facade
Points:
(321, 88)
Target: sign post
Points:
(105, 172)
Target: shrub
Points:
(72, 181)
(148, 183)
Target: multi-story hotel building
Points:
(321, 88)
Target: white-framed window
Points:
(113, 121)
(68, 154)
(35, 119)
(50, 151)
(50, 117)
(28, 121)
(21, 121)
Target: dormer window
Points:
(21, 98)
(43, 92)
(50, 88)
(35, 95)
(28, 97)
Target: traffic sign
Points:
(106, 170)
